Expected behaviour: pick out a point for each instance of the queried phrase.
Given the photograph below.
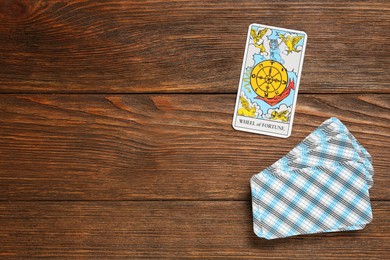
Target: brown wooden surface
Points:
(115, 125)
(203, 229)
(144, 147)
(184, 46)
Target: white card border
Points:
(296, 88)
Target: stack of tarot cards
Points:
(319, 186)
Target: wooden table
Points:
(115, 125)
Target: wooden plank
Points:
(184, 46)
(97, 147)
(198, 229)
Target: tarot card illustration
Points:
(269, 80)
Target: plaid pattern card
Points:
(319, 186)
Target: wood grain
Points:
(165, 229)
(115, 125)
(184, 46)
(150, 147)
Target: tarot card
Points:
(269, 81)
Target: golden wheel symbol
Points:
(269, 79)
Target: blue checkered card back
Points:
(320, 186)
